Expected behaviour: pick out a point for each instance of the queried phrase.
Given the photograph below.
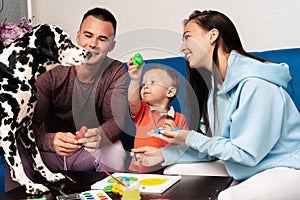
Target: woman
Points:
(255, 126)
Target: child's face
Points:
(155, 86)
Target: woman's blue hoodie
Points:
(258, 125)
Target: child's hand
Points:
(169, 124)
(135, 72)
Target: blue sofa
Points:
(290, 56)
(2, 174)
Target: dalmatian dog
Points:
(35, 52)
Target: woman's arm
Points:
(252, 129)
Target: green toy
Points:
(137, 60)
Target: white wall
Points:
(154, 27)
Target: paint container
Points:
(131, 192)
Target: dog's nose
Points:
(89, 55)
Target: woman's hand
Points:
(64, 144)
(90, 140)
(174, 137)
(147, 156)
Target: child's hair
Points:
(173, 75)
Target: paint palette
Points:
(149, 183)
(94, 195)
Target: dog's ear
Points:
(45, 42)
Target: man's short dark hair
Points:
(102, 14)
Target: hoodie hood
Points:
(241, 67)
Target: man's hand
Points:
(91, 140)
(81, 132)
(64, 145)
(147, 156)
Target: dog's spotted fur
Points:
(34, 53)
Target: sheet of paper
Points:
(149, 183)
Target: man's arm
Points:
(114, 104)
(44, 140)
(61, 143)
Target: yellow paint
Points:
(153, 181)
(116, 189)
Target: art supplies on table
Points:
(87, 195)
(94, 195)
(75, 196)
(149, 183)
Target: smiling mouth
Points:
(188, 55)
(95, 53)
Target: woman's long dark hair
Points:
(230, 40)
(200, 82)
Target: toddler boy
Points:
(149, 107)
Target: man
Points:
(93, 95)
